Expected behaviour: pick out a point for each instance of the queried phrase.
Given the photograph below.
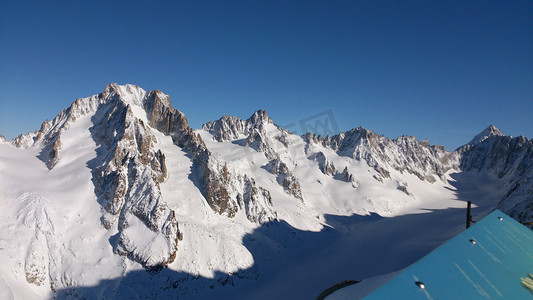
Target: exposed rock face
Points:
(257, 202)
(227, 193)
(229, 128)
(500, 155)
(170, 121)
(259, 118)
(328, 168)
(402, 186)
(53, 155)
(511, 160)
(226, 129)
(217, 181)
(345, 176)
(325, 166)
(127, 181)
(285, 178)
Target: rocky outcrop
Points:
(53, 154)
(346, 176)
(285, 178)
(403, 187)
(217, 184)
(258, 132)
(328, 168)
(324, 164)
(228, 193)
(256, 202)
(170, 121)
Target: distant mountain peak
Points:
(230, 127)
(259, 117)
(485, 134)
(129, 93)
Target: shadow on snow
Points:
(299, 264)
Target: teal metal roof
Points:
(490, 260)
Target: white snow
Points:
(51, 232)
(50, 218)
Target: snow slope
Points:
(51, 217)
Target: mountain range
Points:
(118, 196)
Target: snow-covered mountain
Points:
(485, 134)
(118, 197)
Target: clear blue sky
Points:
(442, 70)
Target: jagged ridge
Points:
(490, 152)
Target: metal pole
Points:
(468, 216)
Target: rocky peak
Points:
(127, 180)
(426, 143)
(231, 127)
(226, 128)
(485, 134)
(111, 88)
(128, 168)
(347, 141)
(129, 93)
(166, 119)
(156, 98)
(258, 118)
